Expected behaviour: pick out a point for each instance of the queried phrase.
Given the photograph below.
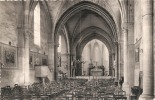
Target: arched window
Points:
(37, 25)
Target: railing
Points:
(94, 77)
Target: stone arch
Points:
(108, 38)
(89, 34)
(79, 48)
(91, 37)
(81, 6)
(105, 5)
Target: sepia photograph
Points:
(77, 50)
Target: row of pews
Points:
(101, 89)
(66, 89)
(39, 91)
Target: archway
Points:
(81, 28)
(95, 52)
(63, 59)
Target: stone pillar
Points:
(68, 65)
(147, 38)
(73, 65)
(116, 61)
(26, 57)
(20, 53)
(125, 46)
(51, 58)
(56, 45)
(113, 66)
(119, 61)
(110, 64)
(121, 57)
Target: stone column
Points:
(71, 65)
(26, 57)
(75, 65)
(116, 61)
(125, 46)
(20, 53)
(56, 45)
(110, 64)
(147, 38)
(121, 57)
(68, 65)
(119, 61)
(51, 58)
(113, 66)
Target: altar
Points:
(96, 72)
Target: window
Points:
(37, 25)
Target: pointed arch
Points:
(81, 6)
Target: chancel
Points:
(77, 50)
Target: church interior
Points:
(77, 50)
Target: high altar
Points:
(96, 72)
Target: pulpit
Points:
(43, 72)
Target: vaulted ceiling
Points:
(105, 16)
(85, 19)
(100, 18)
(57, 8)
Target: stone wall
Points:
(9, 35)
(8, 22)
(12, 71)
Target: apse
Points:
(95, 53)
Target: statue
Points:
(121, 81)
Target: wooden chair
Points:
(6, 93)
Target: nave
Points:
(50, 49)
